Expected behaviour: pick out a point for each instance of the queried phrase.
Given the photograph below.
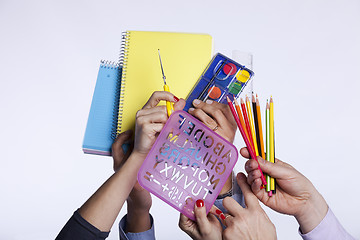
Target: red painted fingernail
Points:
(199, 203)
(176, 99)
(222, 216)
(262, 187)
(218, 212)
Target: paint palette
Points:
(222, 77)
(187, 162)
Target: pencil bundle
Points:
(249, 122)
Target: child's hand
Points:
(216, 116)
(151, 119)
(246, 223)
(205, 227)
(295, 194)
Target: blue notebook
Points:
(102, 122)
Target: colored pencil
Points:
(274, 190)
(258, 127)
(267, 114)
(256, 123)
(243, 108)
(251, 122)
(238, 110)
(272, 156)
(261, 138)
(242, 131)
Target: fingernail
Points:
(209, 101)
(222, 216)
(238, 176)
(218, 212)
(196, 102)
(199, 203)
(176, 99)
(191, 109)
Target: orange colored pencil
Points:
(238, 110)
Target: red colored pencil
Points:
(242, 131)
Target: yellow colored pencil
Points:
(272, 149)
(248, 106)
(267, 119)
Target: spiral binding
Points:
(124, 49)
(109, 64)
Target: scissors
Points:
(169, 105)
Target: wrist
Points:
(137, 220)
(313, 212)
(133, 208)
(139, 154)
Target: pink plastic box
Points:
(188, 162)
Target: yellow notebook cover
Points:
(184, 57)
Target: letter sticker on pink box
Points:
(187, 162)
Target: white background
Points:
(306, 55)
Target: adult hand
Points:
(246, 223)
(295, 194)
(147, 126)
(151, 119)
(216, 116)
(205, 227)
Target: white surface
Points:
(306, 55)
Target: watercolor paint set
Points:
(223, 77)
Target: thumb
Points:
(278, 169)
(201, 217)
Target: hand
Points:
(246, 223)
(139, 201)
(295, 194)
(216, 116)
(138, 197)
(206, 227)
(151, 119)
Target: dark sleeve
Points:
(77, 228)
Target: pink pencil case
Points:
(187, 162)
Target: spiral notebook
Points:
(102, 121)
(184, 57)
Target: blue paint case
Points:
(222, 77)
